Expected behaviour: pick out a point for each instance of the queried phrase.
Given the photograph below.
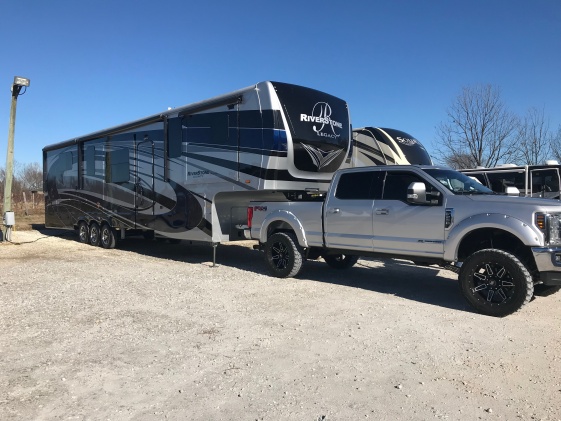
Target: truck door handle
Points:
(382, 211)
(334, 210)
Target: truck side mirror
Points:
(417, 193)
(512, 191)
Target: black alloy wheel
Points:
(495, 282)
(284, 255)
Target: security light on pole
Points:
(9, 219)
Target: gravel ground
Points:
(151, 331)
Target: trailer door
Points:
(545, 183)
(144, 183)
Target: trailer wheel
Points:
(83, 234)
(284, 255)
(340, 261)
(495, 282)
(107, 238)
(94, 234)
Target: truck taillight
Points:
(249, 216)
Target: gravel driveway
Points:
(151, 331)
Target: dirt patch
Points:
(151, 331)
(25, 221)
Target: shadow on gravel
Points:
(53, 231)
(400, 278)
(395, 277)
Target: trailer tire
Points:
(284, 255)
(340, 261)
(495, 282)
(94, 234)
(83, 232)
(107, 237)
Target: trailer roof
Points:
(196, 106)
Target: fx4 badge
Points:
(320, 157)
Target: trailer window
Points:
(94, 157)
(117, 165)
(208, 128)
(175, 137)
(545, 183)
(499, 181)
(62, 168)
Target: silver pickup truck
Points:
(504, 249)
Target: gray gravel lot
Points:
(150, 331)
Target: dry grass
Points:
(35, 219)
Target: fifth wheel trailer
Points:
(189, 173)
(383, 146)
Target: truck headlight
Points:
(550, 225)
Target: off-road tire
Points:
(284, 255)
(340, 261)
(495, 282)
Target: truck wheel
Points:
(495, 282)
(284, 255)
(107, 238)
(83, 235)
(94, 234)
(340, 261)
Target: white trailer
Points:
(527, 180)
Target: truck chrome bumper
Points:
(548, 262)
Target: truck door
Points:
(348, 214)
(144, 183)
(401, 227)
(545, 183)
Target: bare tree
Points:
(556, 145)
(533, 138)
(479, 130)
(460, 161)
(27, 177)
(31, 176)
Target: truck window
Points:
(479, 177)
(396, 184)
(364, 185)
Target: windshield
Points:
(457, 182)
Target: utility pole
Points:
(9, 220)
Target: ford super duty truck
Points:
(502, 247)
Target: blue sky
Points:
(398, 63)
